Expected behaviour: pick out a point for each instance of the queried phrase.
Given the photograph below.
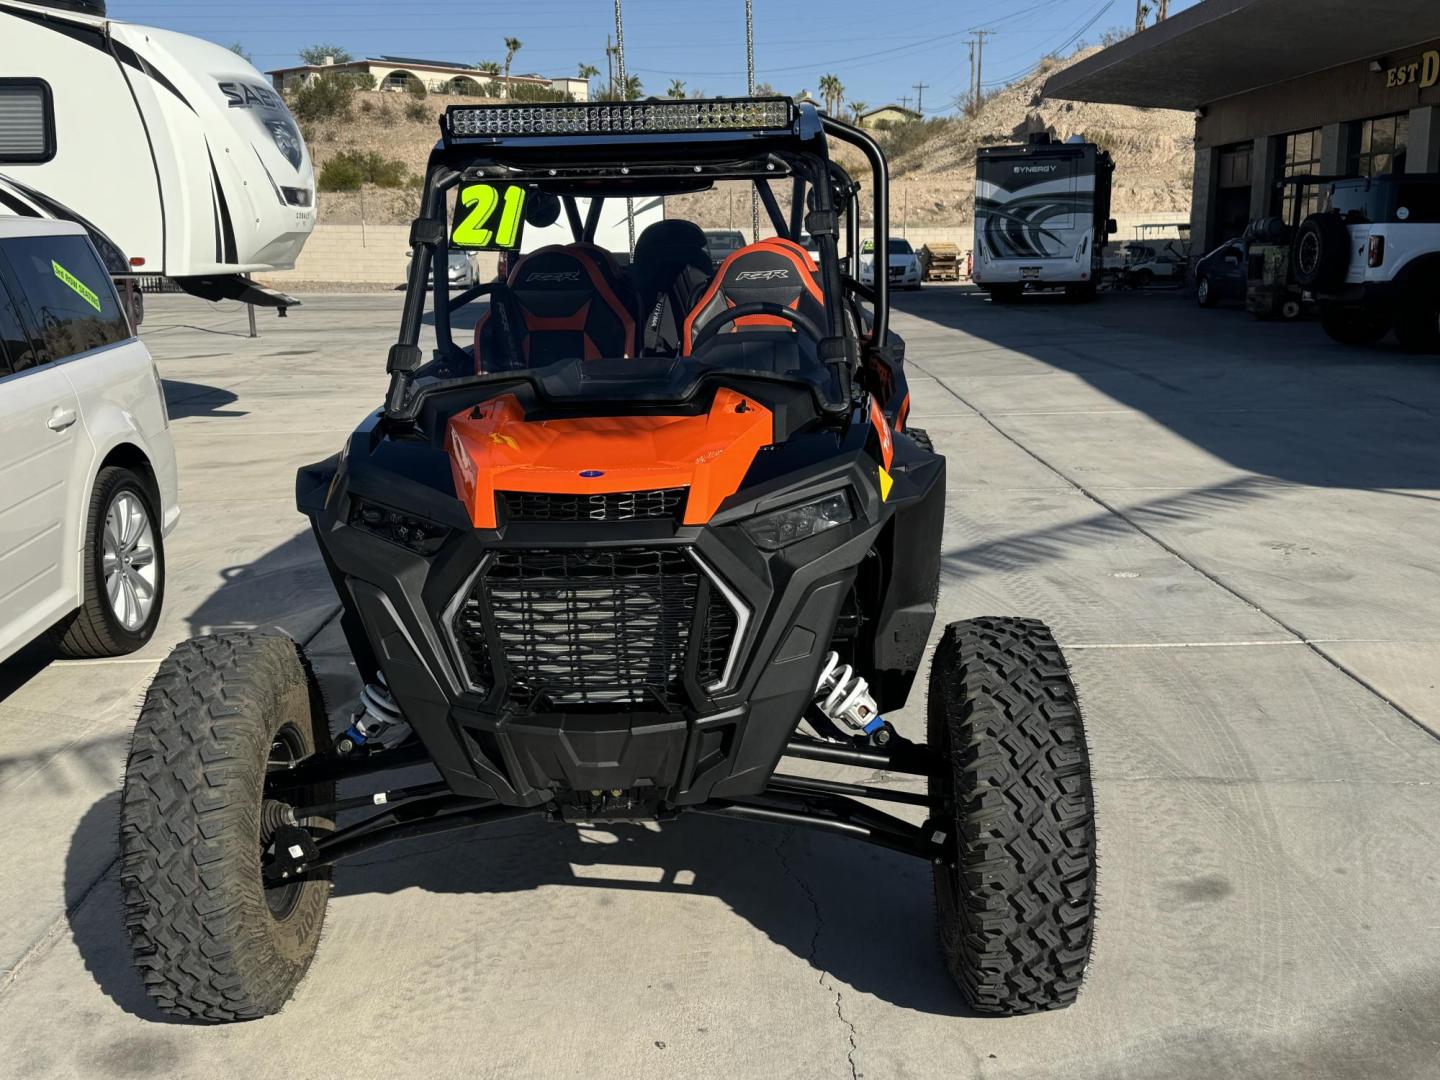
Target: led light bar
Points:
(622, 117)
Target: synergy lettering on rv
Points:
(1036, 168)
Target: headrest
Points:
(667, 247)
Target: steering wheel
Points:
(745, 311)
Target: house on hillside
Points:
(884, 116)
(437, 76)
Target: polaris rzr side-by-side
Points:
(640, 537)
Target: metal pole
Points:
(250, 310)
(750, 83)
(624, 96)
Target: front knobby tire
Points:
(1016, 907)
(209, 939)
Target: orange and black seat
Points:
(561, 302)
(776, 272)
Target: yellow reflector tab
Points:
(886, 483)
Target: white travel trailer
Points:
(177, 149)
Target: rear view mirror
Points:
(1112, 227)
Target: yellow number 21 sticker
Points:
(489, 217)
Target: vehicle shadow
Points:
(186, 399)
(863, 916)
(1278, 400)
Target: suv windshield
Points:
(593, 284)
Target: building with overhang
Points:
(1280, 89)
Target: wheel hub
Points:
(128, 562)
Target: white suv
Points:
(1372, 259)
(87, 467)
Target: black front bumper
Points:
(491, 736)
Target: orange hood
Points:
(494, 448)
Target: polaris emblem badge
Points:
(761, 275)
(552, 275)
(592, 474)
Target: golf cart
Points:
(622, 544)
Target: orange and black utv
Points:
(628, 533)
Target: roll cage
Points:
(644, 163)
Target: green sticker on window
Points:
(489, 218)
(76, 285)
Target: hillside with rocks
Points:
(932, 163)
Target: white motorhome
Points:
(1042, 216)
(176, 148)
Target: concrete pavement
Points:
(1231, 526)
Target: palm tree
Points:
(588, 72)
(489, 67)
(677, 88)
(834, 91)
(512, 46)
(857, 108)
(633, 89)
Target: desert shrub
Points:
(900, 139)
(326, 98)
(417, 111)
(530, 92)
(341, 174)
(363, 80)
(367, 107)
(415, 88)
(351, 169)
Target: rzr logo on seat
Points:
(761, 275)
(552, 275)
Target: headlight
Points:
(794, 523)
(287, 140)
(421, 537)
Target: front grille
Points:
(666, 503)
(586, 627)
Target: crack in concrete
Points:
(852, 1034)
(1211, 576)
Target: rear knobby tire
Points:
(921, 438)
(210, 941)
(1012, 783)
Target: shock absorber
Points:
(377, 719)
(844, 697)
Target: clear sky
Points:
(879, 48)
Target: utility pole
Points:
(624, 95)
(920, 97)
(905, 102)
(980, 36)
(750, 83)
(970, 98)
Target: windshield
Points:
(628, 299)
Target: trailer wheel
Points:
(210, 940)
(1352, 325)
(1011, 784)
(1205, 292)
